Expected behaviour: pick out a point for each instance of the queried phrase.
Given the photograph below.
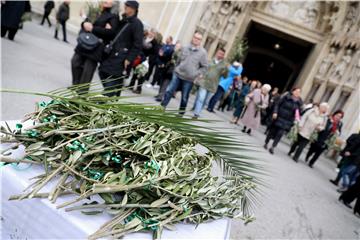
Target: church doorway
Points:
(273, 56)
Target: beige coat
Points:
(312, 121)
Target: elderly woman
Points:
(258, 99)
(312, 121)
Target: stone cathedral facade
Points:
(320, 41)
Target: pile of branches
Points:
(146, 164)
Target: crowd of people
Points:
(121, 48)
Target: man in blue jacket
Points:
(235, 70)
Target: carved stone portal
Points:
(327, 62)
(340, 68)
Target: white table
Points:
(39, 219)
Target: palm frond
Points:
(234, 157)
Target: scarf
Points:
(334, 125)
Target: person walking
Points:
(48, 7)
(125, 48)
(163, 59)
(283, 116)
(351, 194)
(62, 16)
(332, 129)
(208, 84)
(192, 64)
(11, 13)
(350, 163)
(234, 71)
(266, 114)
(258, 100)
(311, 122)
(151, 51)
(245, 90)
(168, 72)
(85, 60)
(227, 100)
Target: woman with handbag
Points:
(91, 41)
(121, 52)
(310, 124)
(256, 101)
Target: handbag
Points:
(88, 41)
(109, 47)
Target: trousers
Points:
(82, 69)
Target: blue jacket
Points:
(225, 83)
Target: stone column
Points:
(352, 113)
(320, 92)
(335, 96)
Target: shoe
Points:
(265, 146)
(65, 41)
(209, 110)
(56, 38)
(195, 117)
(157, 96)
(357, 214)
(333, 182)
(137, 91)
(311, 166)
(243, 130)
(156, 87)
(158, 99)
(341, 190)
(271, 150)
(248, 132)
(148, 85)
(345, 203)
(295, 159)
(289, 153)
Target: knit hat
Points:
(133, 4)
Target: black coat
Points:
(285, 109)
(63, 13)
(99, 30)
(12, 11)
(49, 5)
(352, 146)
(127, 47)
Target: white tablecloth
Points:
(39, 219)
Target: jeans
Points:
(349, 175)
(201, 98)
(186, 87)
(219, 93)
(239, 107)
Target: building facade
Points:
(311, 44)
